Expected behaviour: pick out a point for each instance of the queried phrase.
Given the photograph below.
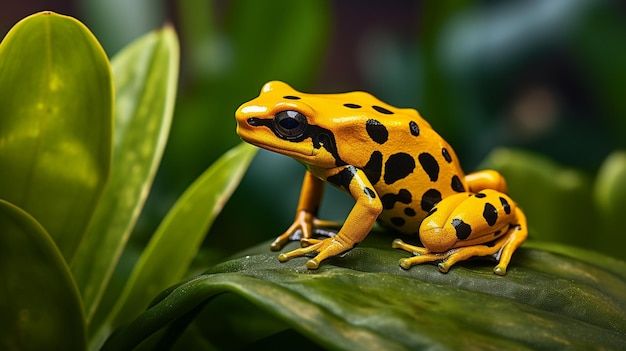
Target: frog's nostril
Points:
(253, 121)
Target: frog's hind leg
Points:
(515, 238)
(486, 179)
(465, 225)
(446, 259)
(422, 254)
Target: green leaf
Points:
(40, 306)
(365, 301)
(56, 97)
(172, 248)
(610, 200)
(146, 76)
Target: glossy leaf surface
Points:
(39, 304)
(56, 116)
(172, 248)
(146, 77)
(549, 299)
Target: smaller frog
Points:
(396, 167)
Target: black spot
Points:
(498, 232)
(291, 97)
(352, 105)
(480, 195)
(398, 166)
(415, 129)
(389, 200)
(433, 210)
(446, 155)
(457, 185)
(463, 230)
(369, 192)
(490, 214)
(326, 139)
(430, 198)
(343, 178)
(430, 165)
(376, 131)
(505, 205)
(409, 212)
(397, 221)
(374, 167)
(382, 110)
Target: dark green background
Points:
(544, 76)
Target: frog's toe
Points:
(312, 264)
(276, 245)
(397, 244)
(304, 242)
(500, 270)
(443, 267)
(405, 263)
(283, 257)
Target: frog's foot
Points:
(422, 254)
(448, 258)
(325, 248)
(304, 227)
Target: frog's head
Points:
(280, 120)
(324, 130)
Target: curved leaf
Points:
(172, 248)
(610, 200)
(365, 301)
(56, 114)
(146, 76)
(40, 306)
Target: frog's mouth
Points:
(301, 149)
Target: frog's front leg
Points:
(306, 221)
(358, 223)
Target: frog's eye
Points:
(290, 124)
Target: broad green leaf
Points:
(146, 75)
(56, 115)
(172, 248)
(39, 304)
(365, 301)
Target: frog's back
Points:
(409, 164)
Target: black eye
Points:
(290, 124)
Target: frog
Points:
(400, 172)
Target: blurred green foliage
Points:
(545, 77)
